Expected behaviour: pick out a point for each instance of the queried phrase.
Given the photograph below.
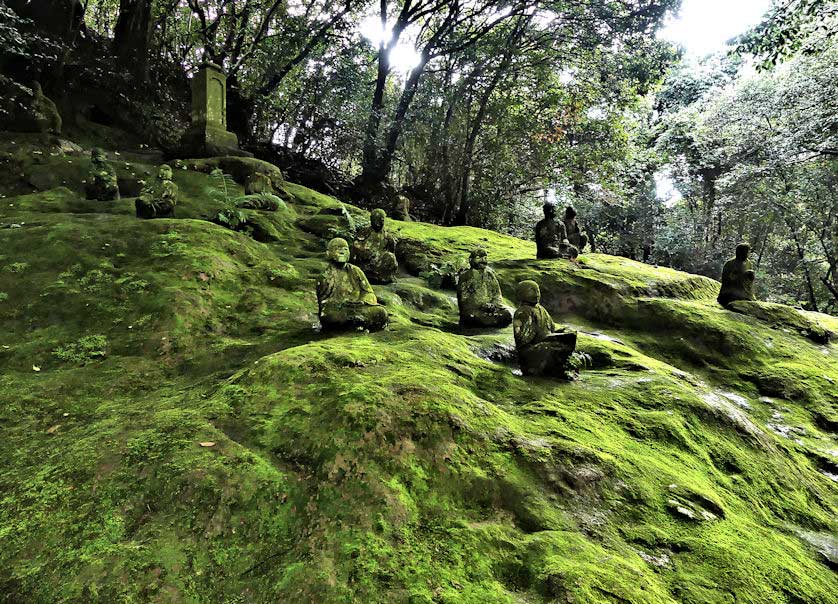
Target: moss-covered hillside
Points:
(176, 430)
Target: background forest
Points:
(481, 110)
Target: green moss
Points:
(190, 436)
(83, 351)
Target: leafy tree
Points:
(791, 27)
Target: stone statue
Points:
(345, 298)
(541, 349)
(374, 250)
(402, 209)
(551, 237)
(257, 183)
(479, 295)
(46, 113)
(574, 233)
(101, 181)
(259, 193)
(737, 277)
(159, 197)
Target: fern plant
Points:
(223, 191)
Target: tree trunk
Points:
(132, 37)
(385, 161)
(810, 288)
(240, 110)
(483, 104)
(370, 169)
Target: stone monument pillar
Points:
(208, 135)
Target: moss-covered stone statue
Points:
(259, 193)
(374, 250)
(574, 233)
(737, 277)
(479, 295)
(542, 350)
(257, 183)
(401, 211)
(159, 197)
(551, 236)
(45, 111)
(345, 298)
(101, 182)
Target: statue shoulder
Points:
(356, 272)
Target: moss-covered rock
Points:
(176, 430)
(814, 326)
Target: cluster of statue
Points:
(346, 299)
(374, 250)
(344, 295)
(101, 182)
(158, 197)
(737, 277)
(558, 238)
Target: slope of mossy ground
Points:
(175, 428)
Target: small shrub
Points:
(17, 267)
(85, 350)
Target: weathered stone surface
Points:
(374, 250)
(240, 168)
(159, 197)
(551, 237)
(401, 211)
(30, 112)
(261, 201)
(46, 113)
(344, 296)
(541, 349)
(102, 183)
(737, 277)
(208, 136)
(258, 182)
(781, 316)
(574, 233)
(479, 296)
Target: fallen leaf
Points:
(207, 443)
(53, 429)
(203, 277)
(35, 368)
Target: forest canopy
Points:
(479, 111)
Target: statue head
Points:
(570, 212)
(164, 172)
(528, 292)
(478, 258)
(549, 210)
(338, 251)
(742, 251)
(377, 217)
